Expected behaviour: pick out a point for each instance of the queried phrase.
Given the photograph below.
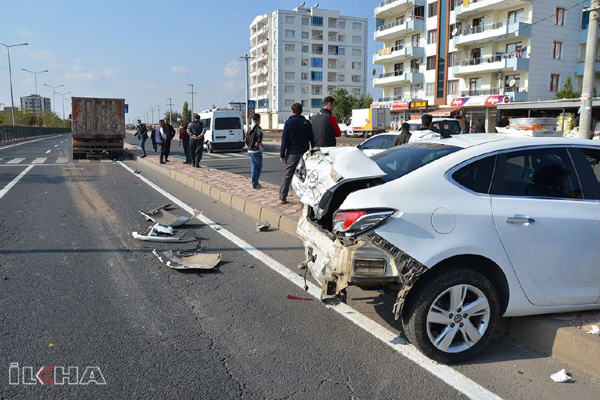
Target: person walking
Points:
(404, 136)
(463, 124)
(324, 125)
(153, 137)
(170, 131)
(184, 138)
(479, 127)
(142, 135)
(196, 130)
(296, 140)
(503, 122)
(161, 138)
(255, 147)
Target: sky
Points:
(145, 51)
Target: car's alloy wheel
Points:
(458, 318)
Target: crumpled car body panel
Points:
(183, 260)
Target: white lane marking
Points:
(217, 155)
(15, 161)
(450, 376)
(14, 181)
(48, 151)
(85, 161)
(106, 161)
(55, 145)
(29, 141)
(62, 160)
(39, 161)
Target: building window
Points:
(304, 89)
(305, 35)
(432, 36)
(356, 92)
(290, 19)
(342, 24)
(305, 62)
(290, 47)
(453, 87)
(397, 92)
(356, 65)
(316, 76)
(305, 21)
(341, 78)
(451, 29)
(452, 59)
(557, 50)
(290, 89)
(305, 49)
(317, 21)
(342, 51)
(356, 25)
(304, 103)
(356, 39)
(559, 17)
(429, 89)
(316, 103)
(432, 9)
(290, 75)
(416, 40)
(290, 33)
(342, 38)
(475, 84)
(554, 82)
(508, 79)
(289, 102)
(414, 91)
(430, 63)
(357, 52)
(290, 61)
(316, 62)
(356, 78)
(304, 76)
(341, 64)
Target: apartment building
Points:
(303, 55)
(464, 57)
(35, 103)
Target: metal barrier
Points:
(10, 133)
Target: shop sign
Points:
(479, 101)
(418, 104)
(400, 105)
(493, 101)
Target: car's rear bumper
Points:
(227, 145)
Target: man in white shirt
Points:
(161, 139)
(425, 132)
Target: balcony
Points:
(262, 83)
(398, 53)
(581, 67)
(263, 70)
(399, 77)
(262, 43)
(317, 50)
(394, 98)
(484, 33)
(583, 36)
(507, 62)
(262, 57)
(468, 8)
(389, 8)
(398, 29)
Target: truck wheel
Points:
(452, 315)
(115, 155)
(345, 133)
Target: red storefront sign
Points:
(489, 101)
(399, 105)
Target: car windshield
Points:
(227, 123)
(402, 160)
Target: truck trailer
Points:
(98, 126)
(369, 121)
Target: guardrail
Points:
(9, 133)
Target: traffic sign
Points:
(251, 104)
(251, 113)
(126, 108)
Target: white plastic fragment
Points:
(561, 376)
(167, 230)
(595, 330)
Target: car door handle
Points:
(519, 220)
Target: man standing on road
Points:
(404, 136)
(184, 138)
(254, 142)
(479, 127)
(161, 138)
(325, 126)
(142, 135)
(296, 140)
(170, 131)
(425, 132)
(196, 130)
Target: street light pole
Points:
(247, 58)
(36, 87)
(588, 74)
(170, 104)
(192, 93)
(12, 100)
(53, 94)
(152, 114)
(158, 113)
(63, 102)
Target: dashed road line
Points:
(62, 160)
(55, 145)
(48, 151)
(15, 161)
(39, 161)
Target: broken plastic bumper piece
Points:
(158, 233)
(165, 218)
(188, 260)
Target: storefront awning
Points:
(444, 112)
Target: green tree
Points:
(187, 113)
(51, 120)
(214, 106)
(567, 91)
(3, 119)
(362, 102)
(174, 116)
(343, 104)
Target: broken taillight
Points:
(355, 222)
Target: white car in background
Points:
(465, 230)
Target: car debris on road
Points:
(165, 218)
(158, 233)
(262, 227)
(188, 260)
(561, 376)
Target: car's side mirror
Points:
(359, 147)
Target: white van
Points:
(224, 130)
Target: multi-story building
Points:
(35, 103)
(303, 55)
(465, 56)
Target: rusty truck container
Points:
(98, 126)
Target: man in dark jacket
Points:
(142, 135)
(503, 122)
(404, 135)
(296, 140)
(153, 137)
(325, 126)
(170, 131)
(254, 142)
(196, 130)
(479, 127)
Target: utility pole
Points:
(158, 113)
(588, 74)
(152, 114)
(247, 58)
(54, 94)
(170, 104)
(192, 93)
(36, 88)
(147, 118)
(12, 100)
(63, 101)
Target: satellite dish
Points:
(454, 31)
(512, 83)
(374, 71)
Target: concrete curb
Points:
(275, 218)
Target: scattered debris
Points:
(188, 260)
(165, 218)
(262, 226)
(215, 201)
(157, 209)
(289, 296)
(158, 233)
(561, 376)
(595, 330)
(51, 345)
(137, 172)
(5, 278)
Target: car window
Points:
(390, 141)
(593, 157)
(415, 127)
(376, 142)
(206, 123)
(447, 127)
(477, 176)
(228, 123)
(402, 160)
(538, 173)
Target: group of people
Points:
(161, 136)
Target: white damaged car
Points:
(465, 230)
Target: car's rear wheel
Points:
(453, 314)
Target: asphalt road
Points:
(77, 290)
